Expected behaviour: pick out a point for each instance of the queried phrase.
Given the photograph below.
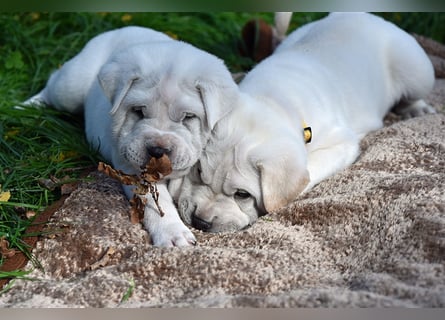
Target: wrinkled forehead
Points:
(165, 91)
(229, 169)
(176, 89)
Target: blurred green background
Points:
(32, 44)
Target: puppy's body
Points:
(340, 76)
(67, 88)
(144, 95)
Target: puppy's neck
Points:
(279, 113)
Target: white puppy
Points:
(340, 76)
(144, 95)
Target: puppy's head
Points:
(250, 167)
(165, 98)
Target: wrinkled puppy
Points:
(339, 76)
(145, 95)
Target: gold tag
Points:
(307, 134)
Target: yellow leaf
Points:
(11, 133)
(126, 17)
(35, 15)
(5, 195)
(171, 35)
(63, 155)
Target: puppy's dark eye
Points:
(188, 116)
(242, 194)
(139, 111)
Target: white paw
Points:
(174, 234)
(168, 230)
(415, 109)
(37, 101)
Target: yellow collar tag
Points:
(307, 133)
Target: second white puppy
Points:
(144, 95)
(340, 76)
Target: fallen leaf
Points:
(30, 214)
(118, 174)
(155, 170)
(5, 251)
(68, 188)
(49, 184)
(5, 196)
(103, 261)
(137, 209)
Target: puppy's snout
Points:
(201, 224)
(157, 152)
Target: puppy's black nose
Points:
(201, 224)
(156, 152)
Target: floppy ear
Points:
(218, 99)
(116, 83)
(282, 180)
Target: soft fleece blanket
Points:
(372, 235)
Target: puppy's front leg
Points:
(169, 230)
(340, 150)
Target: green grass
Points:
(16, 274)
(129, 292)
(38, 144)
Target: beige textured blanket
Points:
(372, 235)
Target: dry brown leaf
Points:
(30, 214)
(103, 261)
(155, 170)
(68, 188)
(137, 209)
(65, 184)
(118, 174)
(5, 251)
